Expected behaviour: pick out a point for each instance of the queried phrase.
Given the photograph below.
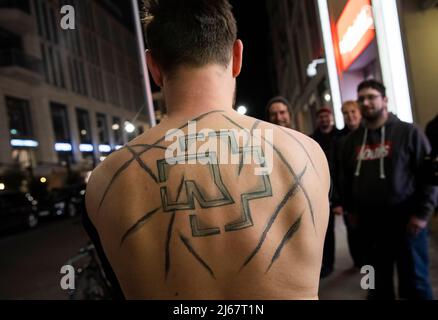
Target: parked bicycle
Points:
(91, 282)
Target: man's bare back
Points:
(215, 229)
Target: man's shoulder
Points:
(103, 177)
(313, 152)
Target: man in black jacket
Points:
(352, 118)
(327, 136)
(383, 184)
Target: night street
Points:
(33, 259)
(331, 102)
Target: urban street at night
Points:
(218, 150)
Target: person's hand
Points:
(415, 225)
(339, 211)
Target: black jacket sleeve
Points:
(426, 194)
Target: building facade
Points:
(65, 94)
(296, 42)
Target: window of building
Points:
(60, 69)
(20, 124)
(77, 76)
(85, 136)
(102, 129)
(111, 89)
(45, 63)
(60, 122)
(84, 126)
(61, 131)
(52, 66)
(53, 25)
(117, 131)
(39, 17)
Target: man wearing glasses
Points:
(384, 186)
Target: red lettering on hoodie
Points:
(374, 151)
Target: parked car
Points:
(68, 201)
(17, 210)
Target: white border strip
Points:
(392, 58)
(331, 62)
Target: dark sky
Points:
(254, 87)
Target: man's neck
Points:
(197, 91)
(378, 123)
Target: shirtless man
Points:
(176, 222)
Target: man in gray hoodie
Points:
(383, 184)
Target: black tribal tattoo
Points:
(190, 190)
(289, 234)
(146, 147)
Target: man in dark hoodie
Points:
(352, 118)
(383, 184)
(327, 136)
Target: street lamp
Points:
(129, 127)
(242, 110)
(311, 68)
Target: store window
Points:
(21, 132)
(103, 134)
(20, 124)
(102, 128)
(117, 131)
(85, 135)
(61, 132)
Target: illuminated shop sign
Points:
(104, 148)
(24, 143)
(63, 147)
(85, 147)
(355, 31)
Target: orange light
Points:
(355, 31)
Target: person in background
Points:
(278, 112)
(352, 118)
(383, 184)
(432, 134)
(327, 136)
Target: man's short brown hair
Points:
(189, 32)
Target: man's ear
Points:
(385, 99)
(237, 57)
(154, 69)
